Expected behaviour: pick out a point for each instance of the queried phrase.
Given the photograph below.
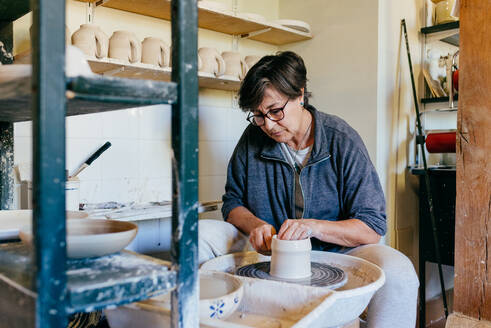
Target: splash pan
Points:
(323, 275)
(345, 304)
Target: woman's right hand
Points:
(260, 238)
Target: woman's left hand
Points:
(293, 229)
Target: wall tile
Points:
(121, 160)
(90, 191)
(154, 160)
(23, 129)
(22, 150)
(155, 190)
(211, 187)
(117, 190)
(120, 124)
(213, 123)
(84, 126)
(213, 157)
(155, 122)
(236, 124)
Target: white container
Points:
(290, 259)
(72, 195)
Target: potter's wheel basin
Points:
(364, 279)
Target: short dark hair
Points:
(284, 71)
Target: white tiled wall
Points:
(137, 167)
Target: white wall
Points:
(341, 59)
(137, 166)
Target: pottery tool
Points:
(92, 158)
(323, 275)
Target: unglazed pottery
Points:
(211, 62)
(14, 71)
(91, 238)
(235, 66)
(125, 46)
(11, 221)
(91, 40)
(156, 52)
(294, 24)
(290, 259)
(443, 12)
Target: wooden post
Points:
(473, 203)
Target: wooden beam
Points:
(473, 224)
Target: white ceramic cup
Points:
(211, 61)
(156, 52)
(290, 259)
(91, 40)
(124, 45)
(235, 65)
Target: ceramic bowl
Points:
(14, 71)
(92, 238)
(294, 24)
(11, 221)
(220, 294)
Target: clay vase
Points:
(251, 61)
(211, 61)
(91, 40)
(156, 52)
(235, 66)
(125, 46)
(290, 259)
(443, 12)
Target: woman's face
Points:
(285, 129)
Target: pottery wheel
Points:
(323, 275)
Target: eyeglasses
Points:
(275, 115)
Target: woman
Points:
(298, 173)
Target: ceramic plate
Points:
(252, 16)
(212, 5)
(12, 221)
(294, 24)
(14, 71)
(92, 238)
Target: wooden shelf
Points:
(93, 283)
(215, 20)
(87, 95)
(108, 66)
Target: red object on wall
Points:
(455, 79)
(441, 142)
